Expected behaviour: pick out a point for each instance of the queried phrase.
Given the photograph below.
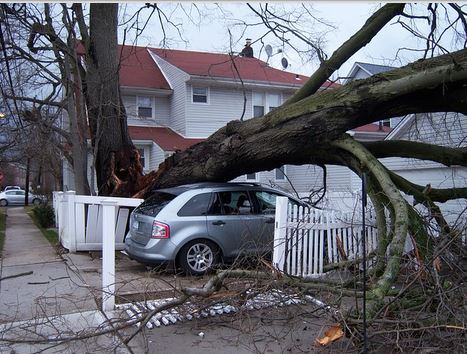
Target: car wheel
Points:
(198, 257)
(3, 202)
(36, 201)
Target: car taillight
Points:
(160, 230)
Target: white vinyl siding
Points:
(161, 109)
(225, 104)
(129, 101)
(177, 80)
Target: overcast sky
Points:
(210, 33)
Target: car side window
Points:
(196, 206)
(231, 203)
(266, 202)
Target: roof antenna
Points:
(268, 50)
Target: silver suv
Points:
(197, 226)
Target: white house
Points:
(176, 98)
(445, 129)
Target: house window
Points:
(386, 123)
(265, 102)
(144, 107)
(258, 104)
(274, 101)
(142, 158)
(279, 173)
(251, 177)
(200, 95)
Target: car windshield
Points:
(154, 204)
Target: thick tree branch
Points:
(420, 193)
(411, 149)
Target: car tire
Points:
(3, 202)
(198, 257)
(36, 201)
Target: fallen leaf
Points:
(332, 334)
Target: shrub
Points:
(44, 215)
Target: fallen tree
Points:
(310, 129)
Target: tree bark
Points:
(117, 160)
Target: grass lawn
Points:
(49, 233)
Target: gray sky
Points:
(211, 33)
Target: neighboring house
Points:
(445, 129)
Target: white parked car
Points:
(17, 196)
(7, 188)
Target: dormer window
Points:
(200, 94)
(144, 107)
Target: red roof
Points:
(138, 69)
(222, 66)
(166, 138)
(373, 128)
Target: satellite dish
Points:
(268, 50)
(285, 63)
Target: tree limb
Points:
(411, 149)
(360, 39)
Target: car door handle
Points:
(269, 221)
(218, 222)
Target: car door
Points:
(266, 208)
(232, 223)
(18, 197)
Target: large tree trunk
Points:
(303, 132)
(117, 160)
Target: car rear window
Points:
(154, 204)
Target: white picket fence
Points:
(80, 220)
(306, 239)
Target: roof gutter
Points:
(221, 81)
(146, 91)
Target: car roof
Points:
(218, 185)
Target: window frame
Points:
(266, 101)
(284, 173)
(145, 157)
(138, 106)
(193, 94)
(252, 180)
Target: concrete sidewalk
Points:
(42, 295)
(50, 288)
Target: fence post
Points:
(58, 211)
(280, 232)
(108, 255)
(70, 225)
